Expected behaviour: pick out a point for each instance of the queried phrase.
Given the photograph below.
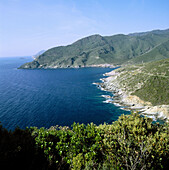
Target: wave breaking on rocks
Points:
(123, 98)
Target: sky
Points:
(29, 26)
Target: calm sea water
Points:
(52, 97)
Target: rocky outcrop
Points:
(126, 100)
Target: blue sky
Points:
(29, 26)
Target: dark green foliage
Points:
(62, 146)
(158, 53)
(18, 150)
(148, 81)
(135, 143)
(96, 49)
(132, 142)
(155, 90)
(156, 83)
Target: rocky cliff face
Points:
(141, 87)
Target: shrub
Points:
(132, 142)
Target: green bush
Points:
(62, 145)
(19, 151)
(132, 142)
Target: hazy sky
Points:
(29, 26)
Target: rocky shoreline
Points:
(39, 66)
(126, 101)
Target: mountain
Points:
(97, 49)
(159, 52)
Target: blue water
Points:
(51, 97)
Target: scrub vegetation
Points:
(148, 81)
(131, 142)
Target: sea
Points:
(49, 97)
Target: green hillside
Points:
(97, 49)
(147, 81)
(156, 87)
(159, 52)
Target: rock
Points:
(122, 97)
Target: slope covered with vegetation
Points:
(97, 49)
(156, 87)
(157, 53)
(147, 81)
(132, 142)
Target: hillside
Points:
(157, 53)
(144, 87)
(97, 49)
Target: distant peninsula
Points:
(105, 51)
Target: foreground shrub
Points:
(63, 146)
(132, 142)
(19, 151)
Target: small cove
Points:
(45, 98)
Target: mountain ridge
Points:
(96, 49)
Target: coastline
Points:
(123, 98)
(38, 66)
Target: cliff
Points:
(141, 87)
